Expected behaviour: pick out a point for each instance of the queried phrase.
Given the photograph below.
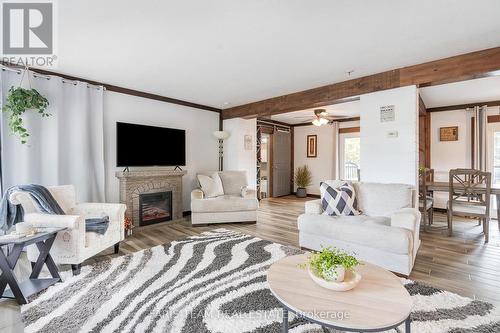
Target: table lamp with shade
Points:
(221, 136)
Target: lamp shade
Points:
(221, 135)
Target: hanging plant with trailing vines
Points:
(18, 101)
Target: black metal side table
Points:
(22, 290)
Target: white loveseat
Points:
(73, 245)
(226, 208)
(385, 234)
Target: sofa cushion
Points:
(376, 199)
(338, 201)
(361, 229)
(233, 181)
(225, 203)
(211, 185)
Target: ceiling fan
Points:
(321, 117)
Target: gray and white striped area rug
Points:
(215, 282)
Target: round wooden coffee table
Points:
(378, 303)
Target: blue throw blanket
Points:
(11, 214)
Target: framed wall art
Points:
(312, 146)
(448, 133)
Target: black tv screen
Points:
(141, 145)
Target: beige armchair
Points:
(74, 245)
(230, 207)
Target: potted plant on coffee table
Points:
(303, 178)
(333, 269)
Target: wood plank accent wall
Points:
(424, 135)
(458, 68)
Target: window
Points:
(496, 157)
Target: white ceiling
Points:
(465, 92)
(343, 110)
(213, 52)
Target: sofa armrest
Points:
(251, 193)
(314, 207)
(40, 220)
(197, 194)
(408, 218)
(116, 212)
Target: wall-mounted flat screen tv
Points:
(141, 145)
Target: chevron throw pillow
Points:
(338, 201)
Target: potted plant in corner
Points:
(303, 178)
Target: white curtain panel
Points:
(65, 148)
(480, 141)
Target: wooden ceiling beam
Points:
(336, 93)
(462, 106)
(453, 69)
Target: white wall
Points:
(236, 157)
(446, 155)
(323, 166)
(201, 146)
(384, 159)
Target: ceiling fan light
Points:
(317, 122)
(323, 121)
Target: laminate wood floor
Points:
(462, 263)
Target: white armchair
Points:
(230, 207)
(74, 245)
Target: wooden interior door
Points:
(281, 165)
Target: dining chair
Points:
(470, 192)
(425, 198)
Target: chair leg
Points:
(479, 221)
(32, 264)
(117, 248)
(76, 269)
(450, 218)
(431, 216)
(486, 229)
(424, 219)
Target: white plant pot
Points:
(351, 280)
(339, 274)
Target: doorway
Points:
(281, 162)
(274, 159)
(349, 156)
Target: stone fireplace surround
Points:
(133, 183)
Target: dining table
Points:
(437, 186)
